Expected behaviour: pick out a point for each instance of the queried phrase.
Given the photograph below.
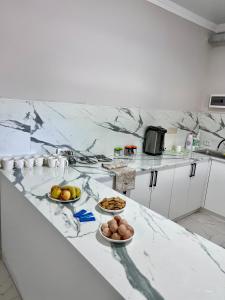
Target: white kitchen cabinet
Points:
(173, 193)
(156, 196)
(161, 192)
(215, 198)
(141, 193)
(188, 192)
(198, 186)
(179, 195)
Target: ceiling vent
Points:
(217, 39)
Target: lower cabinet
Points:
(173, 192)
(215, 198)
(161, 192)
(141, 193)
(189, 189)
(154, 190)
(179, 195)
(198, 187)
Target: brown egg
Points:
(127, 235)
(122, 229)
(113, 227)
(130, 228)
(115, 236)
(105, 225)
(123, 221)
(111, 222)
(106, 232)
(117, 218)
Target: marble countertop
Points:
(164, 261)
(143, 163)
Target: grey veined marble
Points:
(163, 261)
(36, 126)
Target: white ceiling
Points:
(212, 10)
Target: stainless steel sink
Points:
(211, 153)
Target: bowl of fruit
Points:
(62, 194)
(117, 230)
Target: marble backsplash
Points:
(38, 127)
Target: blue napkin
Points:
(84, 216)
(80, 213)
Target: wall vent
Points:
(217, 39)
(217, 101)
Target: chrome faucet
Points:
(220, 143)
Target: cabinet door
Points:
(198, 185)
(161, 193)
(141, 193)
(215, 198)
(179, 197)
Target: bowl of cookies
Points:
(112, 204)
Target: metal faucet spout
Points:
(220, 143)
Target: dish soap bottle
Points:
(189, 141)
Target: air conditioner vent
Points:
(217, 39)
(217, 101)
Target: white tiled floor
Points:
(7, 289)
(207, 225)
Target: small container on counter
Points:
(118, 151)
(130, 150)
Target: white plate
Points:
(115, 241)
(114, 211)
(61, 201)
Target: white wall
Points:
(117, 52)
(216, 79)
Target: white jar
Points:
(7, 163)
(19, 163)
(38, 161)
(29, 162)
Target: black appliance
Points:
(154, 140)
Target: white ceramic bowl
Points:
(114, 241)
(61, 201)
(112, 211)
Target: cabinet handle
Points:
(191, 170)
(191, 173)
(156, 176)
(151, 179)
(194, 169)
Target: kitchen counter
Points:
(143, 163)
(164, 261)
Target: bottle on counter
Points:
(189, 141)
(130, 150)
(118, 151)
